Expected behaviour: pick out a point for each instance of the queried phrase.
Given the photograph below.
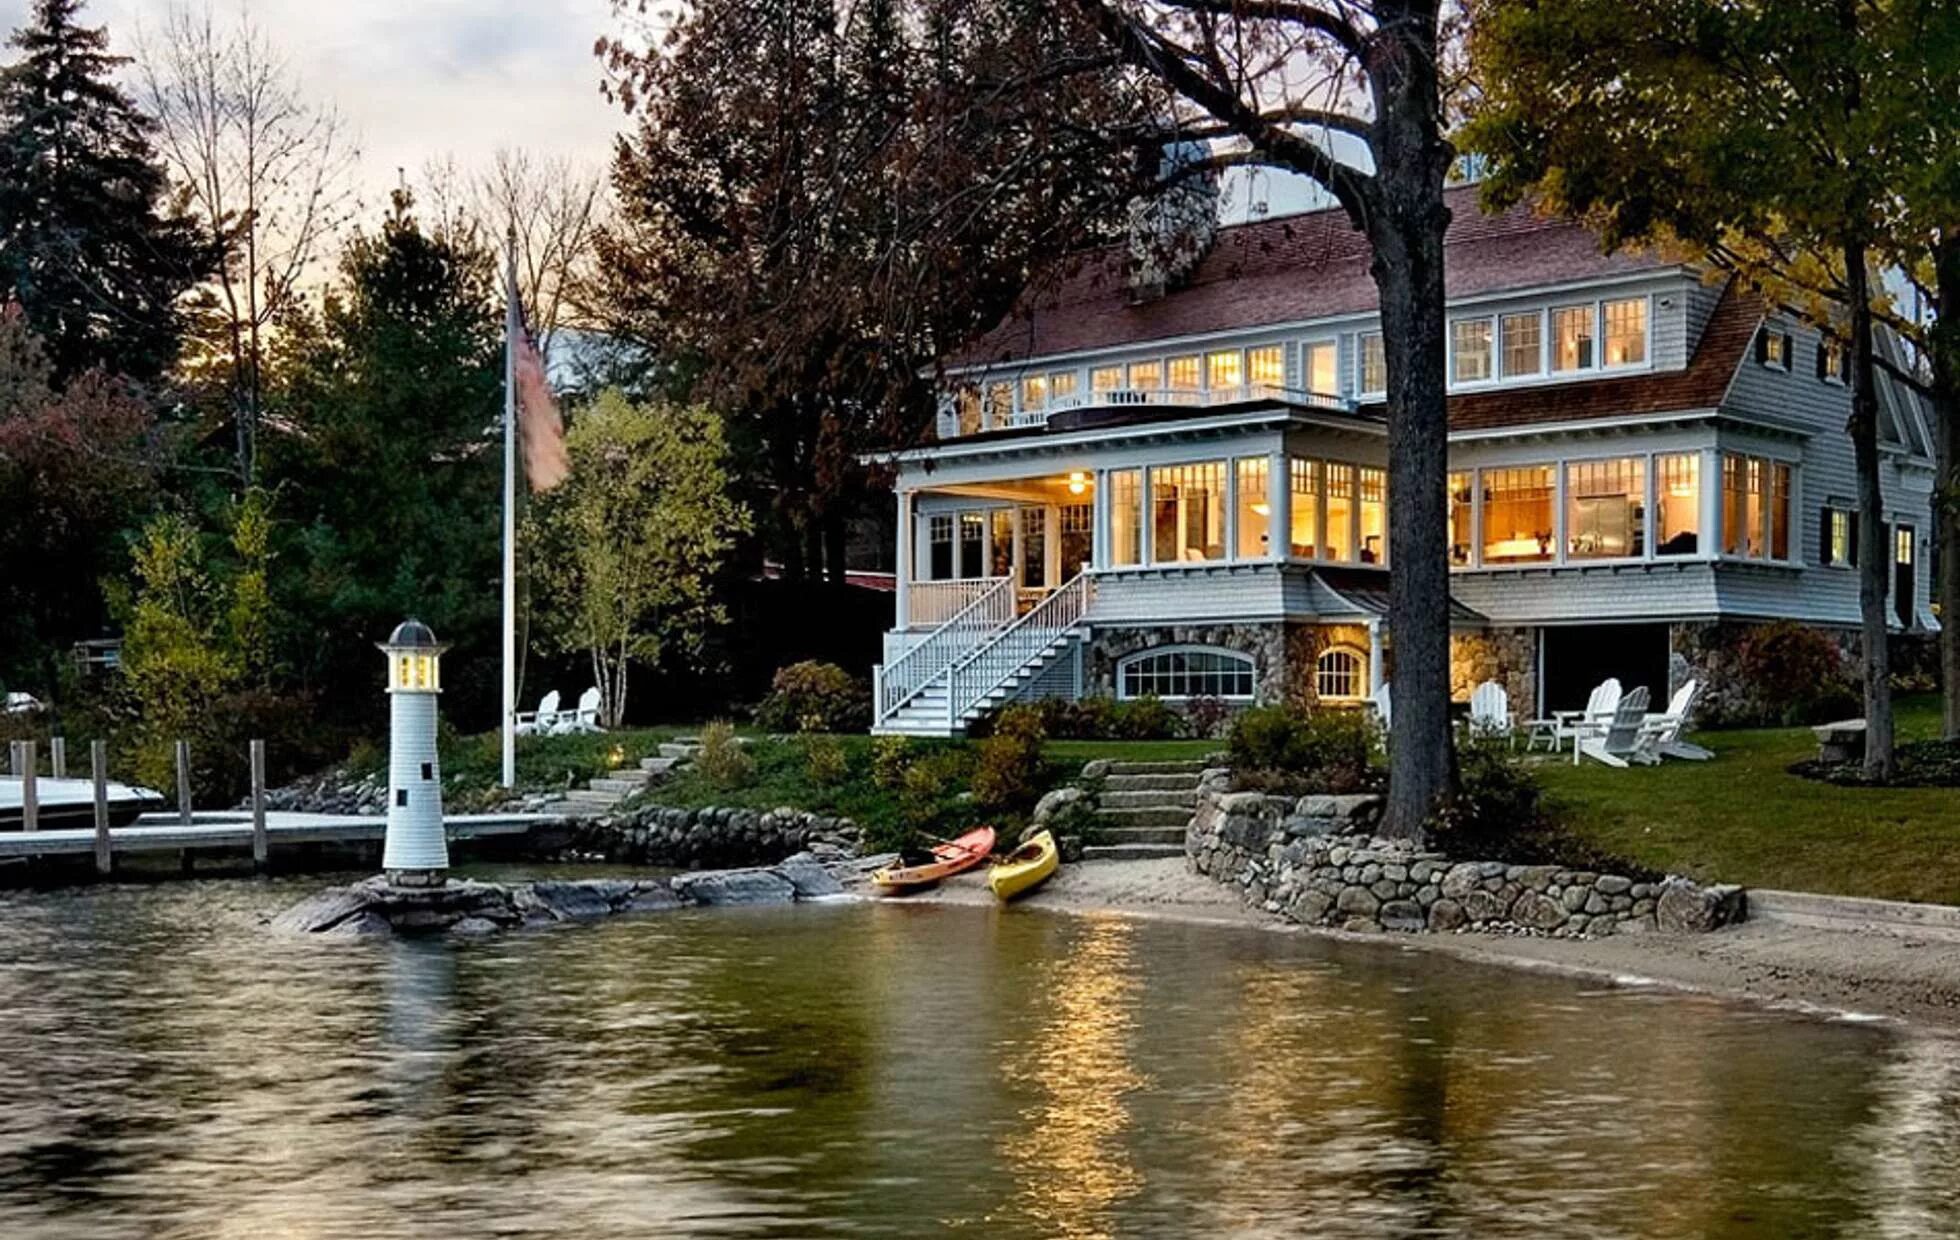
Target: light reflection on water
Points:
(168, 1068)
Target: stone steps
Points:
(1191, 767)
(1131, 852)
(1173, 836)
(1150, 783)
(1144, 816)
(1184, 798)
(624, 787)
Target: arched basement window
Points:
(1185, 672)
(1341, 675)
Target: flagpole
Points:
(511, 328)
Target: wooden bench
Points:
(1843, 741)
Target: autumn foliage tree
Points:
(817, 199)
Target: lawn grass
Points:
(1743, 818)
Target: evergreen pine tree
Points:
(90, 245)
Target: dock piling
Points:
(184, 782)
(260, 848)
(98, 761)
(58, 757)
(30, 793)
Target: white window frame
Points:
(1547, 352)
(1361, 364)
(1490, 378)
(1360, 657)
(1770, 461)
(1128, 661)
(1832, 512)
(1307, 346)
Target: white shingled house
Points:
(1183, 493)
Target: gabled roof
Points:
(1702, 384)
(1287, 270)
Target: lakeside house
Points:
(1176, 484)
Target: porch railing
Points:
(988, 666)
(990, 610)
(929, 604)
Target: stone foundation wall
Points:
(696, 838)
(1508, 656)
(1266, 643)
(1313, 860)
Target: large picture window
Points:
(1254, 509)
(1105, 378)
(1304, 503)
(1340, 512)
(1185, 672)
(1677, 497)
(1320, 362)
(1184, 374)
(1756, 497)
(1224, 369)
(1518, 519)
(1146, 376)
(1605, 509)
(1266, 366)
(1188, 512)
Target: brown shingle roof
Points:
(1287, 270)
(1723, 346)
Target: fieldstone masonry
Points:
(1314, 860)
(692, 838)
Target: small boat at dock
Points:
(70, 803)
(946, 859)
(1026, 868)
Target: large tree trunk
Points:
(1406, 225)
(1946, 499)
(1874, 545)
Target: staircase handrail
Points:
(938, 650)
(988, 665)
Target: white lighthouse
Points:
(416, 853)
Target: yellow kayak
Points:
(1026, 868)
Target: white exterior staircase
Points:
(980, 658)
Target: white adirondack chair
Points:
(1379, 702)
(1623, 739)
(1490, 712)
(1670, 723)
(1567, 725)
(541, 721)
(583, 718)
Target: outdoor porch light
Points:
(1078, 482)
(416, 852)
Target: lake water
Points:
(169, 1068)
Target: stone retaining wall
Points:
(695, 838)
(1314, 860)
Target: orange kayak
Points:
(949, 859)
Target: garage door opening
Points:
(1578, 657)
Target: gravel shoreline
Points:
(1830, 973)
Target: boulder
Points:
(735, 887)
(808, 877)
(1688, 908)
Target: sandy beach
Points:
(1868, 974)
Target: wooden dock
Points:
(232, 831)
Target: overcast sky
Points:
(419, 79)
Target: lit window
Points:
(1605, 509)
(1773, 348)
(1756, 497)
(1184, 374)
(1034, 393)
(1304, 515)
(1000, 547)
(1340, 675)
(1522, 337)
(1185, 673)
(1832, 364)
(1459, 498)
(1223, 370)
(1188, 513)
(1266, 366)
(967, 402)
(1126, 517)
(1146, 376)
(1518, 525)
(1061, 383)
(1374, 516)
(1902, 542)
(1340, 511)
(1254, 512)
(1470, 350)
(1321, 364)
(1077, 534)
(1374, 363)
(1837, 538)
(1000, 405)
(1105, 378)
(973, 545)
(1677, 496)
(1572, 338)
(1626, 332)
(1780, 477)
(1034, 548)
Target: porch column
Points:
(1099, 522)
(903, 577)
(1374, 657)
(1713, 535)
(1279, 507)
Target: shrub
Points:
(1008, 766)
(1793, 673)
(824, 760)
(890, 757)
(1325, 751)
(815, 697)
(1144, 719)
(723, 761)
(1500, 812)
(929, 792)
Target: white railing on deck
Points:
(989, 666)
(1172, 398)
(912, 671)
(932, 603)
